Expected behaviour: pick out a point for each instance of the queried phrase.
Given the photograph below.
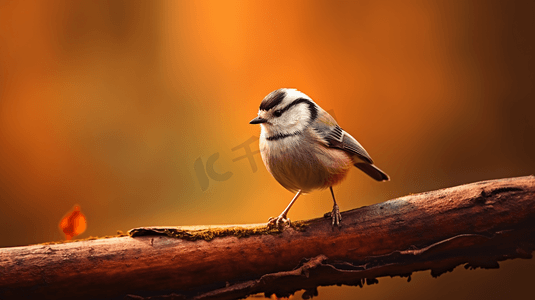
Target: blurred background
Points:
(127, 108)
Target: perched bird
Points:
(303, 147)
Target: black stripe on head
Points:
(273, 99)
(311, 107)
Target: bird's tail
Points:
(372, 171)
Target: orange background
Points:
(109, 104)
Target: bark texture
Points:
(475, 225)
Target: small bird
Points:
(304, 149)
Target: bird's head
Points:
(285, 111)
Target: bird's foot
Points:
(278, 222)
(335, 215)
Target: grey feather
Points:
(338, 138)
(373, 171)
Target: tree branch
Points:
(476, 225)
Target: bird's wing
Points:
(336, 137)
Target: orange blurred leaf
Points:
(73, 224)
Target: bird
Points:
(304, 148)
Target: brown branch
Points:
(476, 225)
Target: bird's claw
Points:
(336, 216)
(278, 222)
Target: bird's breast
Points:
(303, 163)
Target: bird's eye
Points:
(277, 113)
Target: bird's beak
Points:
(257, 120)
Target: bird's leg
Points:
(335, 215)
(281, 219)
